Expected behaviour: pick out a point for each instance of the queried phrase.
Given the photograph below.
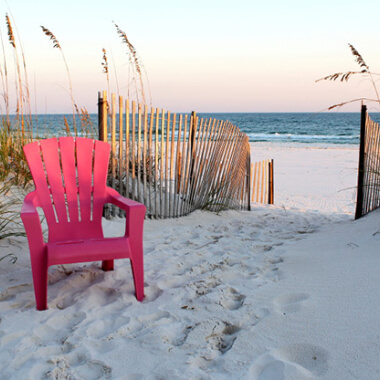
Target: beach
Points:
(285, 291)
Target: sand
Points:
(287, 291)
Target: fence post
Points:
(102, 130)
(102, 116)
(193, 127)
(360, 192)
(271, 182)
(248, 184)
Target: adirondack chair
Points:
(70, 186)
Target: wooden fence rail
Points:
(174, 164)
(368, 191)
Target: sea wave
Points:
(290, 137)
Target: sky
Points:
(207, 56)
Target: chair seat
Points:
(78, 251)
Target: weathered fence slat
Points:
(150, 148)
(127, 146)
(172, 168)
(178, 171)
(113, 146)
(145, 160)
(121, 160)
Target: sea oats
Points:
(345, 76)
(57, 45)
(10, 31)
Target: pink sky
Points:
(201, 55)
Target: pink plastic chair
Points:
(70, 186)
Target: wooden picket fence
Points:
(262, 187)
(368, 190)
(174, 164)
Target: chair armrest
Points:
(124, 203)
(135, 212)
(31, 221)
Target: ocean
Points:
(306, 128)
(335, 128)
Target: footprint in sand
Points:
(12, 291)
(231, 299)
(80, 366)
(59, 325)
(18, 297)
(223, 339)
(289, 303)
(293, 362)
(206, 286)
(268, 367)
(219, 337)
(61, 369)
(95, 369)
(64, 301)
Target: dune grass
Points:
(16, 121)
(363, 72)
(16, 130)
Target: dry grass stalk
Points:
(350, 101)
(4, 80)
(26, 98)
(19, 86)
(52, 37)
(11, 36)
(345, 76)
(131, 48)
(67, 127)
(135, 63)
(13, 168)
(359, 58)
(104, 64)
(57, 45)
(86, 124)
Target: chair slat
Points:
(33, 156)
(50, 155)
(84, 152)
(101, 156)
(67, 148)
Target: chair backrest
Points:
(70, 178)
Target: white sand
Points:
(288, 291)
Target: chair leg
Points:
(107, 265)
(137, 265)
(40, 282)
